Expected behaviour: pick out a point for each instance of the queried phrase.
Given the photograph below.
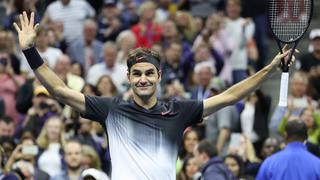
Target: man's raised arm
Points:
(243, 88)
(46, 76)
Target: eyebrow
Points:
(148, 70)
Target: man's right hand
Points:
(27, 32)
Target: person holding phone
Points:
(144, 132)
(21, 163)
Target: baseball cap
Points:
(96, 174)
(40, 90)
(315, 33)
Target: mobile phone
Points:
(30, 150)
(235, 140)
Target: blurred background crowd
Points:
(206, 46)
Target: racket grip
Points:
(283, 99)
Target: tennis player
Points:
(144, 133)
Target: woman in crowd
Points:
(106, 87)
(51, 141)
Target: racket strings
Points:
(289, 19)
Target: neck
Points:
(74, 172)
(146, 103)
(42, 48)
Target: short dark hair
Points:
(147, 54)
(206, 146)
(6, 119)
(296, 130)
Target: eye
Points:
(135, 73)
(150, 73)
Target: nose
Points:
(143, 80)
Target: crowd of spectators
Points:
(205, 46)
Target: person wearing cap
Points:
(144, 133)
(311, 59)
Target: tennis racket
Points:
(288, 21)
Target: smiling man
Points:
(144, 133)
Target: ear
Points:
(160, 74)
(128, 76)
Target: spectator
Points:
(22, 162)
(294, 162)
(106, 86)
(189, 169)
(186, 26)
(147, 31)
(204, 72)
(77, 69)
(18, 6)
(297, 96)
(240, 30)
(269, 147)
(126, 41)
(73, 157)
(109, 66)
(10, 83)
(86, 50)
(312, 120)
(74, 82)
(7, 127)
(215, 35)
(190, 140)
(171, 68)
(42, 108)
(212, 166)
(90, 158)
(109, 22)
(51, 141)
(311, 59)
(254, 118)
(50, 54)
(55, 36)
(218, 126)
(235, 165)
(72, 14)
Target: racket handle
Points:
(283, 99)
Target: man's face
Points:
(143, 79)
(173, 53)
(298, 88)
(205, 75)
(198, 157)
(316, 44)
(6, 129)
(233, 10)
(73, 155)
(110, 56)
(89, 33)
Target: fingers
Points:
(25, 17)
(285, 48)
(15, 25)
(32, 19)
(22, 21)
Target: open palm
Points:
(27, 32)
